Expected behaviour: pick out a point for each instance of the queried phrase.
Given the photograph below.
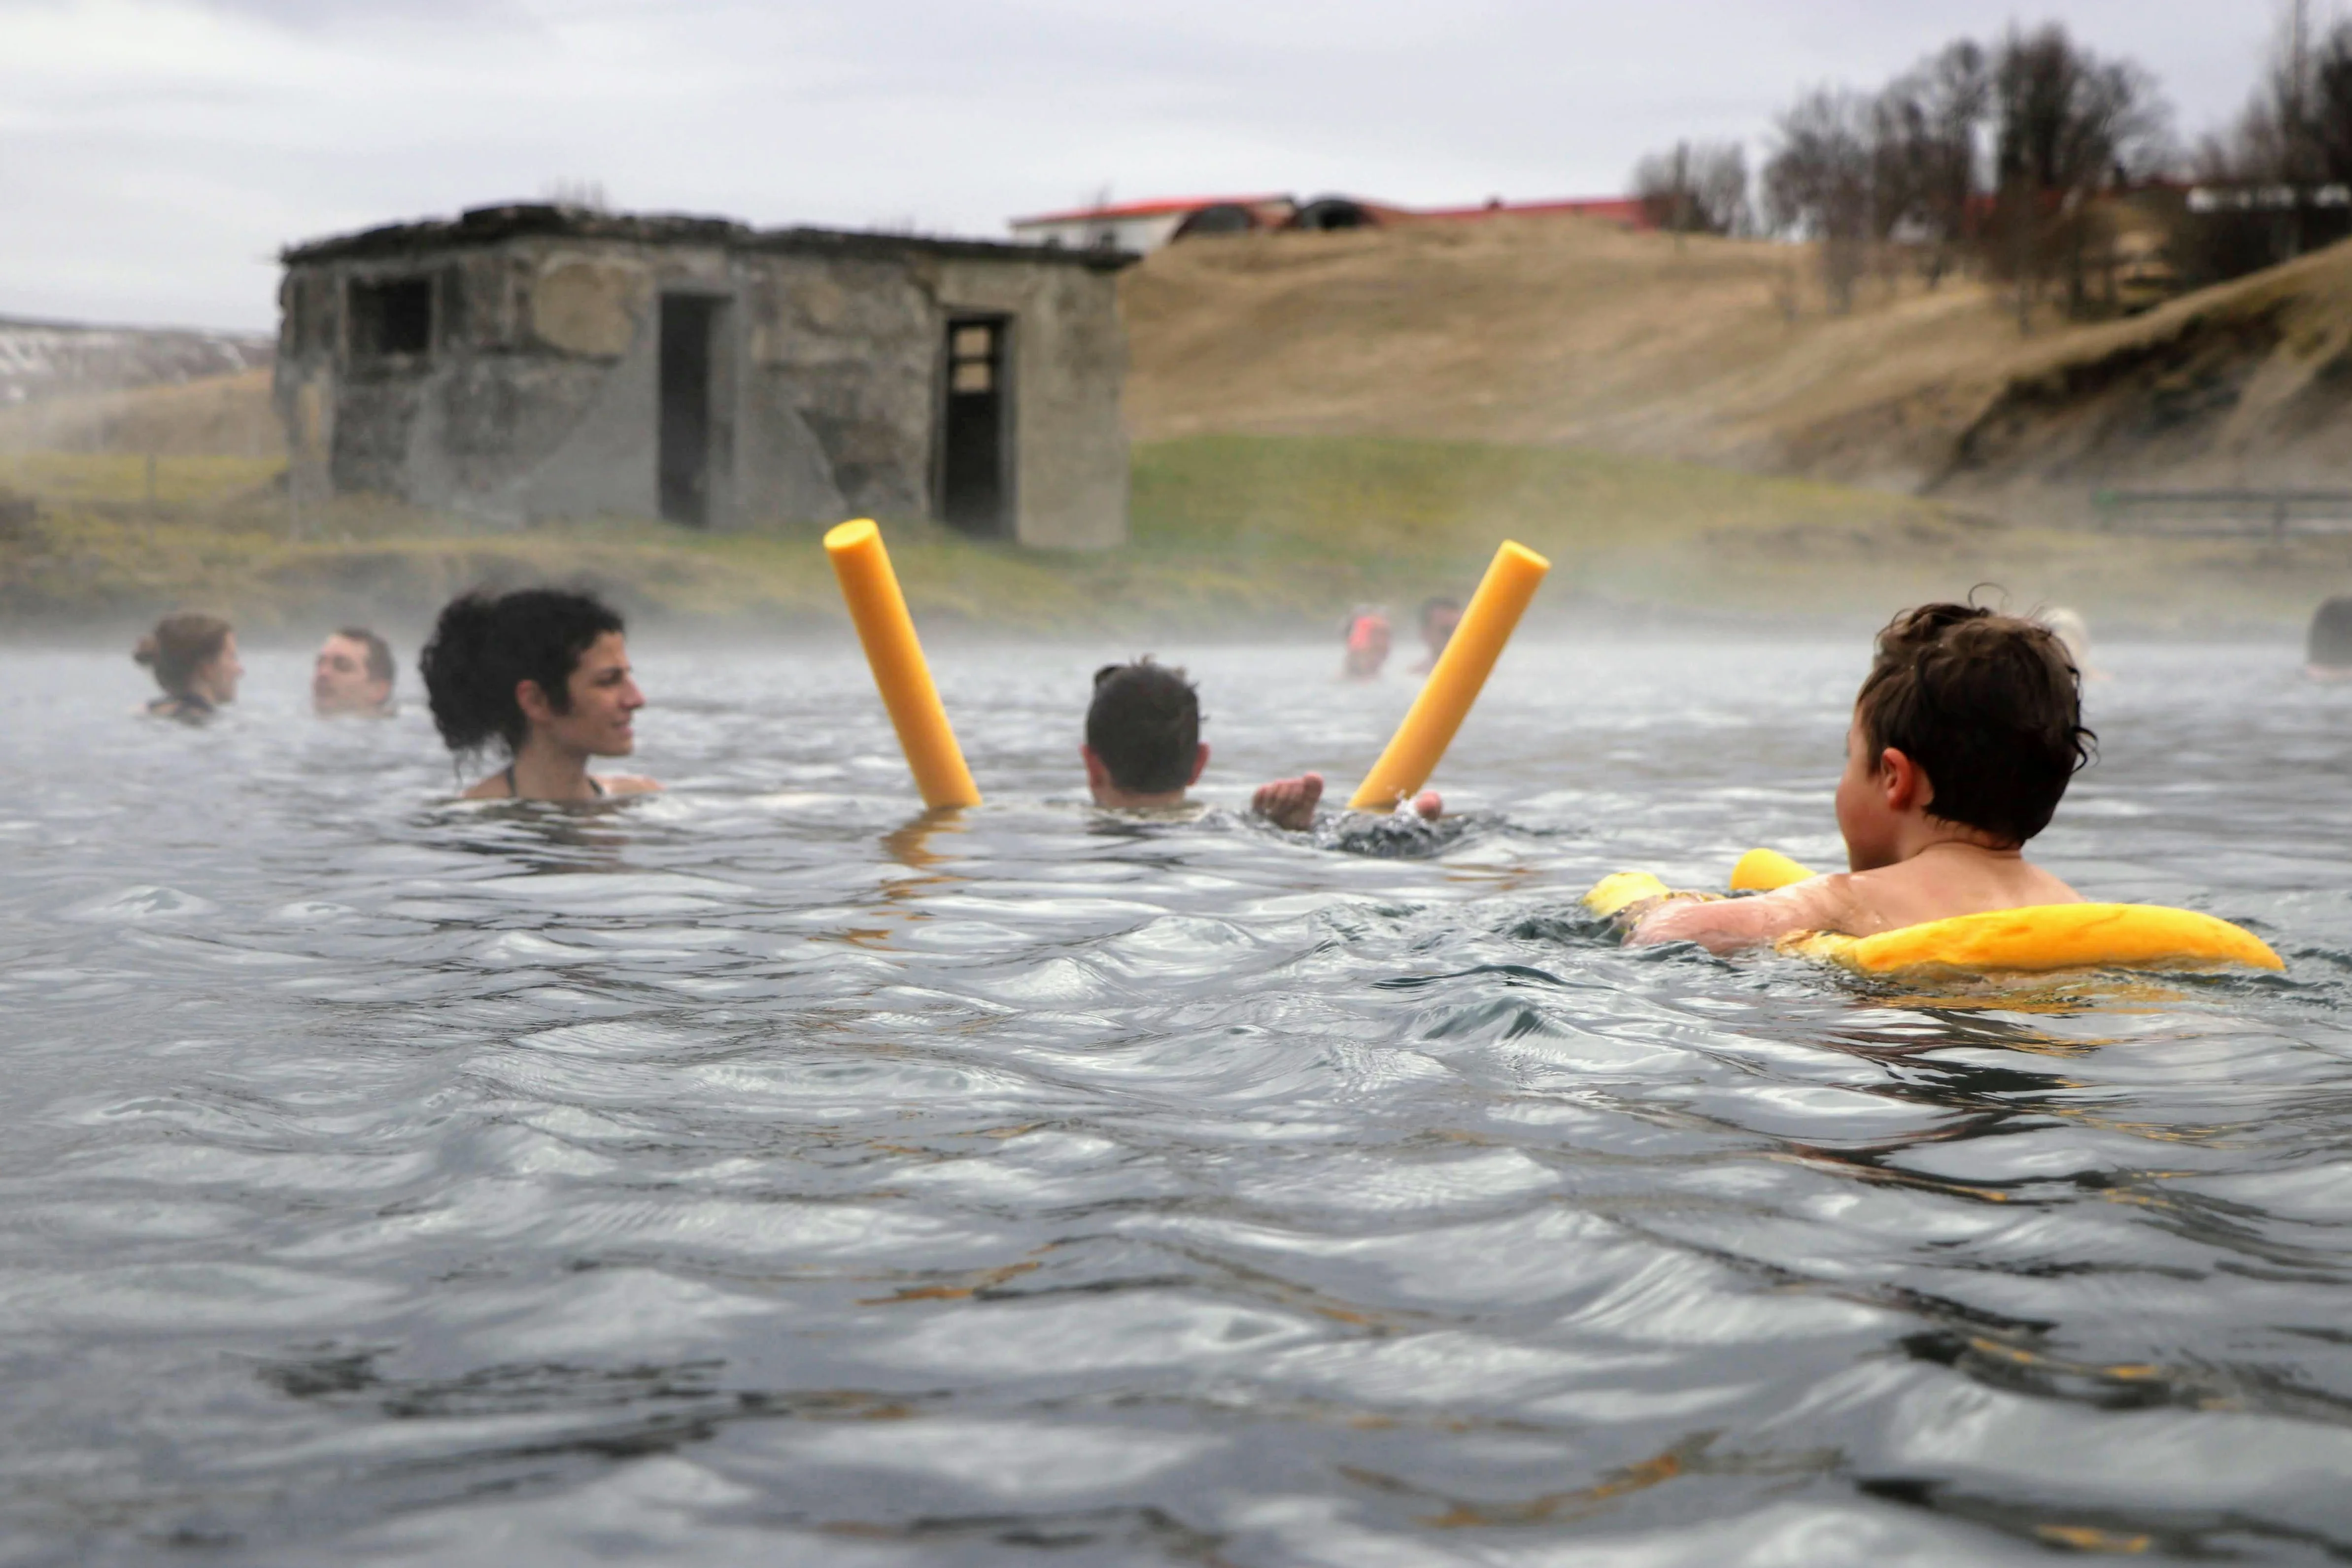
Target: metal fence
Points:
(2224, 513)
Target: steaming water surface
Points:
(760, 1172)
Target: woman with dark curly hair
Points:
(194, 660)
(544, 674)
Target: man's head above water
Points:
(352, 674)
(1143, 735)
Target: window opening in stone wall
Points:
(391, 316)
(687, 324)
(975, 430)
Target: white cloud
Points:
(154, 153)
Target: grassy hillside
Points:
(2246, 383)
(1537, 332)
(224, 416)
(1565, 332)
(1227, 532)
(1231, 534)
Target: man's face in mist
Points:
(340, 682)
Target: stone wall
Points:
(1069, 361)
(538, 395)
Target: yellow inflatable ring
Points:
(2044, 937)
(2036, 938)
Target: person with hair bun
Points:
(545, 674)
(194, 660)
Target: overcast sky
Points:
(154, 153)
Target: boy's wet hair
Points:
(485, 645)
(1989, 705)
(1145, 724)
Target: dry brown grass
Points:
(1569, 333)
(1542, 332)
(217, 417)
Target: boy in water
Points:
(1964, 737)
(1143, 749)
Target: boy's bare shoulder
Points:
(1935, 886)
(1856, 903)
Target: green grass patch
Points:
(1317, 496)
(1228, 533)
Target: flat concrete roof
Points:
(492, 225)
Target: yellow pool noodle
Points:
(1765, 871)
(887, 633)
(1511, 580)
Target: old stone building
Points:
(543, 361)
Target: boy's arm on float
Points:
(1731, 925)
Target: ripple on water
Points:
(773, 1172)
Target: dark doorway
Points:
(689, 322)
(975, 430)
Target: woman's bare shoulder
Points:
(629, 784)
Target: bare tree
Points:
(1930, 124)
(2276, 139)
(2067, 126)
(2331, 103)
(1696, 189)
(2292, 140)
(2294, 134)
(1818, 182)
(586, 193)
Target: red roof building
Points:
(1145, 226)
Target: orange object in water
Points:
(1511, 581)
(887, 633)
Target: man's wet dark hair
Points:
(379, 653)
(484, 645)
(1989, 706)
(1145, 724)
(2329, 646)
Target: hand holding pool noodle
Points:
(1453, 685)
(887, 633)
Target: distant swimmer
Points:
(2327, 650)
(1143, 750)
(194, 660)
(1368, 644)
(1964, 738)
(546, 674)
(1439, 618)
(2075, 633)
(352, 675)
